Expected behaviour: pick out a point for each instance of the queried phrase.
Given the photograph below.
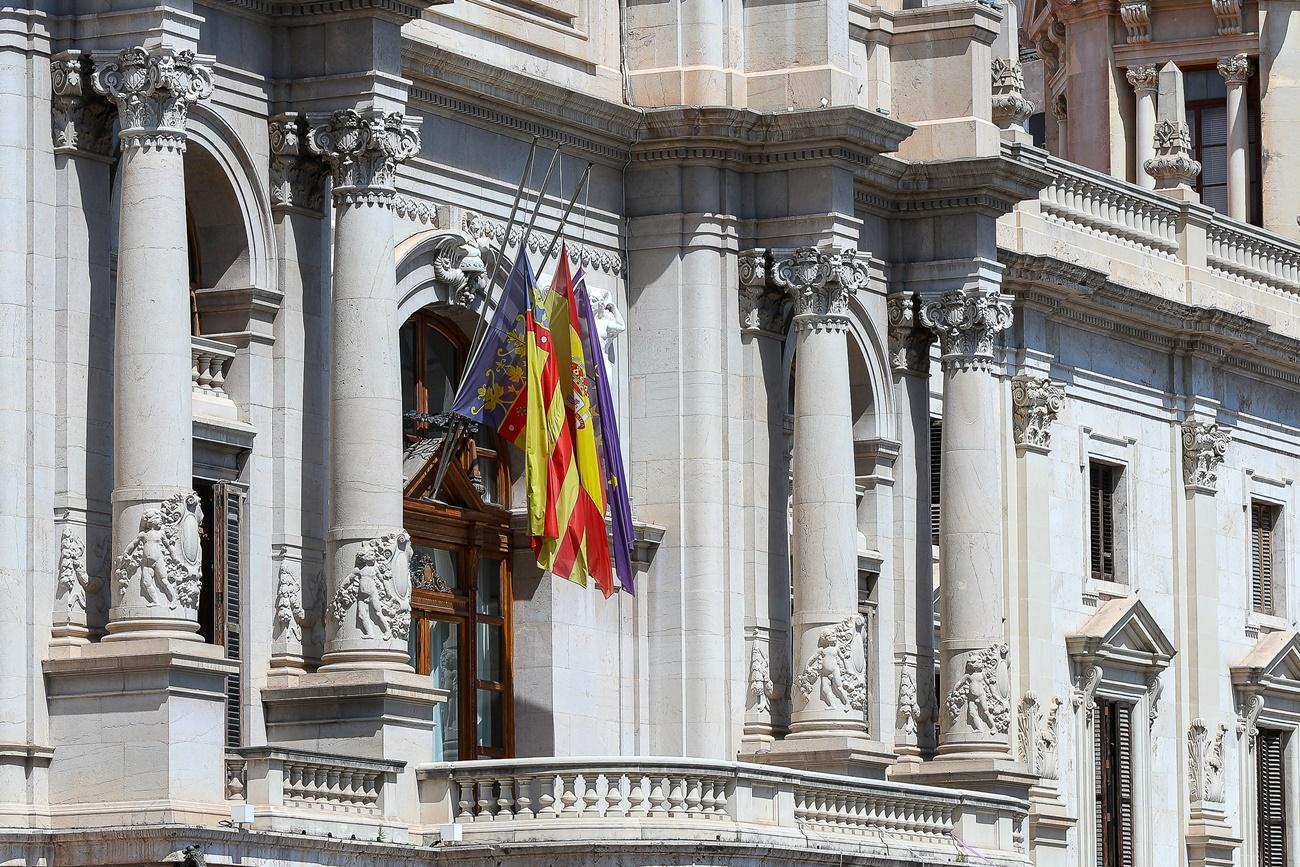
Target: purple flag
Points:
(616, 491)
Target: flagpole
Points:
(564, 220)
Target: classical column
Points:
(156, 514)
(975, 709)
(368, 612)
(1145, 83)
(830, 690)
(1235, 72)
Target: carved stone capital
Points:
(763, 310)
(1235, 70)
(1009, 103)
(909, 342)
(1035, 403)
(966, 324)
(296, 172)
(153, 90)
(82, 119)
(362, 150)
(821, 280)
(1145, 78)
(1136, 15)
(1204, 447)
(1205, 762)
(1172, 166)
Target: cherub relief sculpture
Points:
(378, 589)
(163, 561)
(980, 698)
(837, 670)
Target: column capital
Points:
(821, 280)
(1036, 401)
(362, 150)
(153, 90)
(1235, 70)
(1144, 78)
(909, 341)
(966, 324)
(1060, 110)
(1009, 103)
(81, 117)
(1204, 447)
(763, 311)
(296, 172)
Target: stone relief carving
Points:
(460, 262)
(1173, 164)
(1039, 736)
(762, 310)
(1227, 14)
(153, 90)
(74, 580)
(414, 209)
(1137, 20)
(1205, 762)
(377, 589)
(1248, 718)
(1060, 110)
(821, 280)
(296, 172)
(909, 708)
(762, 688)
(909, 342)
(1085, 689)
(1155, 690)
(980, 700)
(362, 150)
(836, 672)
(290, 615)
(82, 119)
(1035, 403)
(966, 324)
(1009, 103)
(609, 319)
(1235, 69)
(162, 563)
(1204, 446)
(1143, 78)
(479, 226)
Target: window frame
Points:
(1114, 744)
(1119, 531)
(1263, 747)
(1273, 606)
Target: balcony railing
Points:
(647, 799)
(209, 366)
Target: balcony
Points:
(209, 366)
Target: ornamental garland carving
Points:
(82, 119)
(980, 699)
(377, 590)
(1205, 762)
(1204, 446)
(1144, 78)
(762, 689)
(74, 581)
(909, 708)
(1235, 69)
(1035, 404)
(821, 281)
(362, 150)
(1137, 21)
(836, 672)
(966, 324)
(153, 90)
(1172, 164)
(1039, 736)
(1009, 103)
(290, 615)
(162, 563)
(296, 172)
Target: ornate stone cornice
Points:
(909, 341)
(1235, 70)
(1035, 403)
(1204, 446)
(1144, 78)
(1009, 103)
(362, 150)
(966, 324)
(82, 118)
(296, 172)
(1173, 164)
(821, 280)
(153, 90)
(1136, 15)
(763, 311)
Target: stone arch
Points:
(869, 377)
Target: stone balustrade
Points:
(1251, 254)
(1098, 204)
(209, 366)
(523, 800)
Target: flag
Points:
(611, 452)
(581, 547)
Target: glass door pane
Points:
(444, 667)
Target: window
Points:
(1103, 498)
(1113, 782)
(219, 598)
(936, 456)
(1271, 794)
(1263, 556)
(1207, 119)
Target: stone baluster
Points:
(368, 614)
(1236, 71)
(1146, 82)
(156, 515)
(975, 711)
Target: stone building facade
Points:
(956, 350)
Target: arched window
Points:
(460, 572)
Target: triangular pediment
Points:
(420, 462)
(1274, 660)
(1123, 629)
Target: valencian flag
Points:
(611, 452)
(581, 548)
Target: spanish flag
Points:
(576, 483)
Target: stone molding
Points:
(1227, 15)
(362, 150)
(479, 226)
(1235, 69)
(1035, 403)
(296, 172)
(1009, 103)
(978, 702)
(162, 565)
(1172, 165)
(1039, 736)
(820, 280)
(909, 341)
(836, 672)
(1144, 78)
(1205, 779)
(763, 311)
(82, 119)
(377, 590)
(966, 324)
(153, 90)
(1204, 447)
(1136, 15)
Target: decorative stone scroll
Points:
(909, 708)
(1085, 689)
(1227, 14)
(375, 597)
(1173, 164)
(1155, 689)
(1136, 15)
(82, 119)
(362, 150)
(1009, 103)
(821, 281)
(1035, 404)
(1144, 78)
(763, 311)
(909, 342)
(153, 90)
(1205, 762)
(836, 672)
(1039, 736)
(1248, 718)
(979, 701)
(1235, 69)
(296, 172)
(1204, 447)
(162, 565)
(966, 324)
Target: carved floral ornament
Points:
(1205, 762)
(979, 701)
(819, 281)
(762, 688)
(966, 324)
(909, 707)
(153, 90)
(1039, 736)
(362, 150)
(1009, 103)
(74, 580)
(1144, 78)
(374, 600)
(290, 615)
(1035, 404)
(1204, 446)
(1235, 69)
(763, 309)
(161, 566)
(836, 673)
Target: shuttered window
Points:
(1263, 556)
(1113, 783)
(936, 453)
(1103, 480)
(1271, 788)
(219, 601)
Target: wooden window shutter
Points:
(1124, 781)
(228, 501)
(1271, 794)
(1263, 518)
(1101, 520)
(1113, 783)
(1099, 746)
(936, 462)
